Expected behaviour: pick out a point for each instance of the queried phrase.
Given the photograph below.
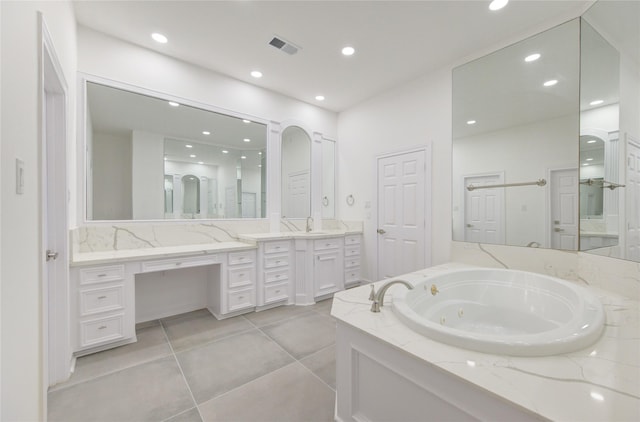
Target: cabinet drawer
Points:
(101, 330)
(322, 244)
(172, 264)
(352, 239)
(276, 292)
(276, 261)
(352, 250)
(101, 274)
(275, 247)
(101, 300)
(239, 277)
(275, 276)
(244, 257)
(351, 262)
(352, 275)
(240, 299)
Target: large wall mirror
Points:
(545, 138)
(296, 173)
(149, 158)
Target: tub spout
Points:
(378, 298)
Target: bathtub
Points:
(506, 312)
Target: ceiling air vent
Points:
(284, 45)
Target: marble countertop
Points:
(320, 234)
(123, 255)
(599, 383)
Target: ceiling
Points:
(395, 41)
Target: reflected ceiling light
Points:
(246, 121)
(224, 151)
(247, 140)
(596, 102)
(188, 146)
(532, 57)
(206, 132)
(259, 152)
(259, 165)
(200, 162)
(348, 51)
(159, 38)
(243, 157)
(471, 122)
(589, 159)
(173, 104)
(592, 141)
(498, 4)
(585, 164)
(192, 156)
(165, 158)
(256, 74)
(550, 82)
(320, 97)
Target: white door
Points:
(230, 202)
(298, 203)
(563, 187)
(401, 213)
(633, 202)
(57, 355)
(248, 205)
(484, 210)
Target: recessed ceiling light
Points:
(206, 132)
(224, 151)
(320, 97)
(585, 164)
(200, 162)
(471, 122)
(498, 4)
(159, 38)
(173, 104)
(246, 121)
(259, 152)
(247, 140)
(256, 74)
(589, 159)
(551, 82)
(532, 57)
(188, 146)
(243, 157)
(348, 51)
(596, 102)
(165, 158)
(259, 165)
(593, 141)
(192, 156)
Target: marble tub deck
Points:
(599, 383)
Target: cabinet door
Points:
(327, 272)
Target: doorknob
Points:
(381, 231)
(51, 255)
(558, 230)
(469, 225)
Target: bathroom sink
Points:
(502, 312)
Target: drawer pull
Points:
(277, 291)
(101, 275)
(277, 262)
(178, 264)
(102, 297)
(278, 275)
(241, 275)
(240, 258)
(328, 244)
(277, 247)
(102, 327)
(240, 297)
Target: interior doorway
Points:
(632, 201)
(564, 212)
(484, 209)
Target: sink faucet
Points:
(309, 225)
(378, 298)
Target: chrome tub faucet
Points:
(378, 298)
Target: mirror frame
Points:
(83, 159)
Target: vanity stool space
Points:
(104, 286)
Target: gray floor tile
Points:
(152, 391)
(151, 345)
(218, 367)
(289, 394)
(303, 335)
(323, 364)
(200, 327)
(324, 307)
(189, 416)
(278, 314)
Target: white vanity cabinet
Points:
(237, 286)
(102, 309)
(328, 269)
(275, 271)
(352, 246)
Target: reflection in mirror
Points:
(609, 123)
(296, 173)
(140, 148)
(515, 119)
(328, 179)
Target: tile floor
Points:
(274, 365)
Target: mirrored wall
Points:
(296, 173)
(149, 158)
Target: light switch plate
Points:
(19, 176)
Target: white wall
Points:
(147, 175)
(22, 363)
(111, 178)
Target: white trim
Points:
(547, 223)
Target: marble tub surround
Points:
(615, 275)
(601, 382)
(134, 235)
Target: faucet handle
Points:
(372, 295)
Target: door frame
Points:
(463, 202)
(56, 353)
(623, 239)
(426, 150)
(547, 217)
